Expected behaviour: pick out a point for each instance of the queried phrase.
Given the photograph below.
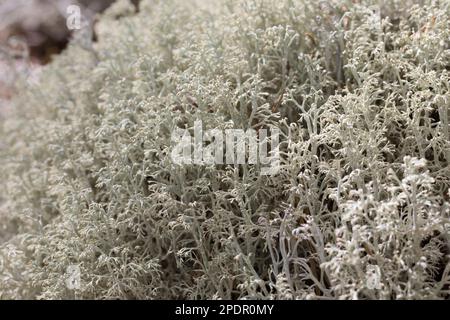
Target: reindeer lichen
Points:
(360, 93)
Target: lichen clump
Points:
(358, 210)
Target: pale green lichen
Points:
(362, 89)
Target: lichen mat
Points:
(92, 207)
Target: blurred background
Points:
(31, 32)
